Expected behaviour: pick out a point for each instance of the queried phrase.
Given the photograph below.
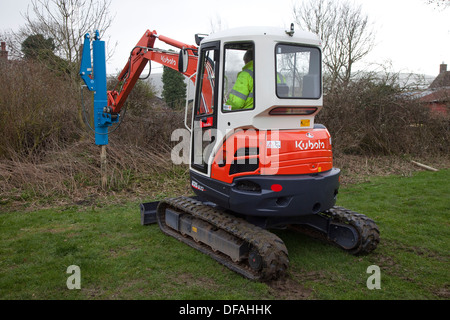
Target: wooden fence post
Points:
(103, 170)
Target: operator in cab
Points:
(241, 96)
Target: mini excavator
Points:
(252, 170)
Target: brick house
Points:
(437, 97)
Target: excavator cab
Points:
(268, 160)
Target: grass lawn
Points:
(121, 259)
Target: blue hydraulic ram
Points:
(96, 82)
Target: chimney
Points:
(442, 67)
(3, 52)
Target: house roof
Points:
(442, 80)
(436, 96)
(437, 93)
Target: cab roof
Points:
(267, 33)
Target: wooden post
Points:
(103, 167)
(424, 166)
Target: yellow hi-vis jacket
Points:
(241, 96)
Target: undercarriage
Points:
(248, 248)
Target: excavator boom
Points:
(143, 52)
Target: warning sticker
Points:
(305, 123)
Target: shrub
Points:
(38, 110)
(374, 118)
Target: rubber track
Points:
(369, 234)
(269, 246)
(366, 228)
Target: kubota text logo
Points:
(168, 60)
(310, 145)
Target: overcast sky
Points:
(410, 34)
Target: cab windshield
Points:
(298, 72)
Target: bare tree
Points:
(439, 4)
(346, 33)
(66, 22)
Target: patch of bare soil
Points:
(443, 292)
(289, 289)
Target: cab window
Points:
(206, 80)
(298, 72)
(239, 75)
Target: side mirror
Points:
(183, 60)
(198, 38)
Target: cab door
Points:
(204, 124)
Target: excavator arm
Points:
(143, 52)
(108, 104)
